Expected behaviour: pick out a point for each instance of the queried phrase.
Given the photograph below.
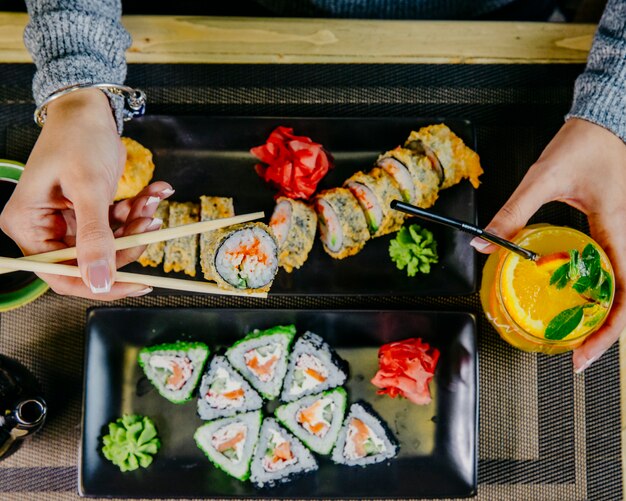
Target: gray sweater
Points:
(82, 41)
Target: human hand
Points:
(584, 166)
(64, 197)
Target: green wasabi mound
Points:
(415, 249)
(131, 442)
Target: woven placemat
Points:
(544, 433)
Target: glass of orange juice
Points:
(550, 305)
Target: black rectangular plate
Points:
(437, 442)
(210, 156)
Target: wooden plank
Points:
(186, 39)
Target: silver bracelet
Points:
(134, 99)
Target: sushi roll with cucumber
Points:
(174, 368)
(363, 439)
(242, 257)
(375, 191)
(313, 367)
(316, 420)
(293, 223)
(212, 208)
(342, 224)
(261, 357)
(279, 456)
(224, 392)
(229, 443)
(448, 154)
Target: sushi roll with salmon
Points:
(242, 257)
(224, 392)
(261, 357)
(229, 443)
(293, 223)
(451, 158)
(342, 224)
(364, 439)
(174, 368)
(212, 208)
(375, 191)
(279, 456)
(153, 255)
(180, 253)
(313, 367)
(413, 174)
(316, 420)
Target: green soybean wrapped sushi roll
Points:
(229, 443)
(313, 367)
(224, 392)
(261, 357)
(279, 456)
(316, 420)
(375, 191)
(293, 223)
(174, 368)
(364, 439)
(342, 224)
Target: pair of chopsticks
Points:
(47, 261)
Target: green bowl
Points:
(32, 288)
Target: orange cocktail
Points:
(553, 304)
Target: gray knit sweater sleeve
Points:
(75, 41)
(600, 92)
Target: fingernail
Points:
(152, 201)
(155, 224)
(585, 366)
(167, 192)
(142, 292)
(479, 244)
(99, 276)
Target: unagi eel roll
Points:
(342, 224)
(212, 208)
(293, 223)
(447, 153)
(375, 191)
(153, 255)
(180, 253)
(414, 175)
(242, 257)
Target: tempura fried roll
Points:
(212, 208)
(153, 255)
(181, 253)
(294, 224)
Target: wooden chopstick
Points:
(25, 264)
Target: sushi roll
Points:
(153, 255)
(279, 456)
(363, 439)
(414, 175)
(293, 223)
(316, 419)
(229, 443)
(242, 257)
(212, 208)
(313, 367)
(174, 368)
(180, 253)
(448, 154)
(375, 191)
(342, 224)
(224, 392)
(261, 357)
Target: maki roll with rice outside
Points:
(174, 368)
(180, 253)
(279, 456)
(212, 208)
(316, 419)
(229, 443)
(343, 227)
(293, 223)
(242, 257)
(224, 392)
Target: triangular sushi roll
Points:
(279, 456)
(174, 368)
(363, 439)
(224, 392)
(261, 357)
(229, 442)
(316, 419)
(313, 368)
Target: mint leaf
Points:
(564, 323)
(591, 259)
(582, 284)
(561, 276)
